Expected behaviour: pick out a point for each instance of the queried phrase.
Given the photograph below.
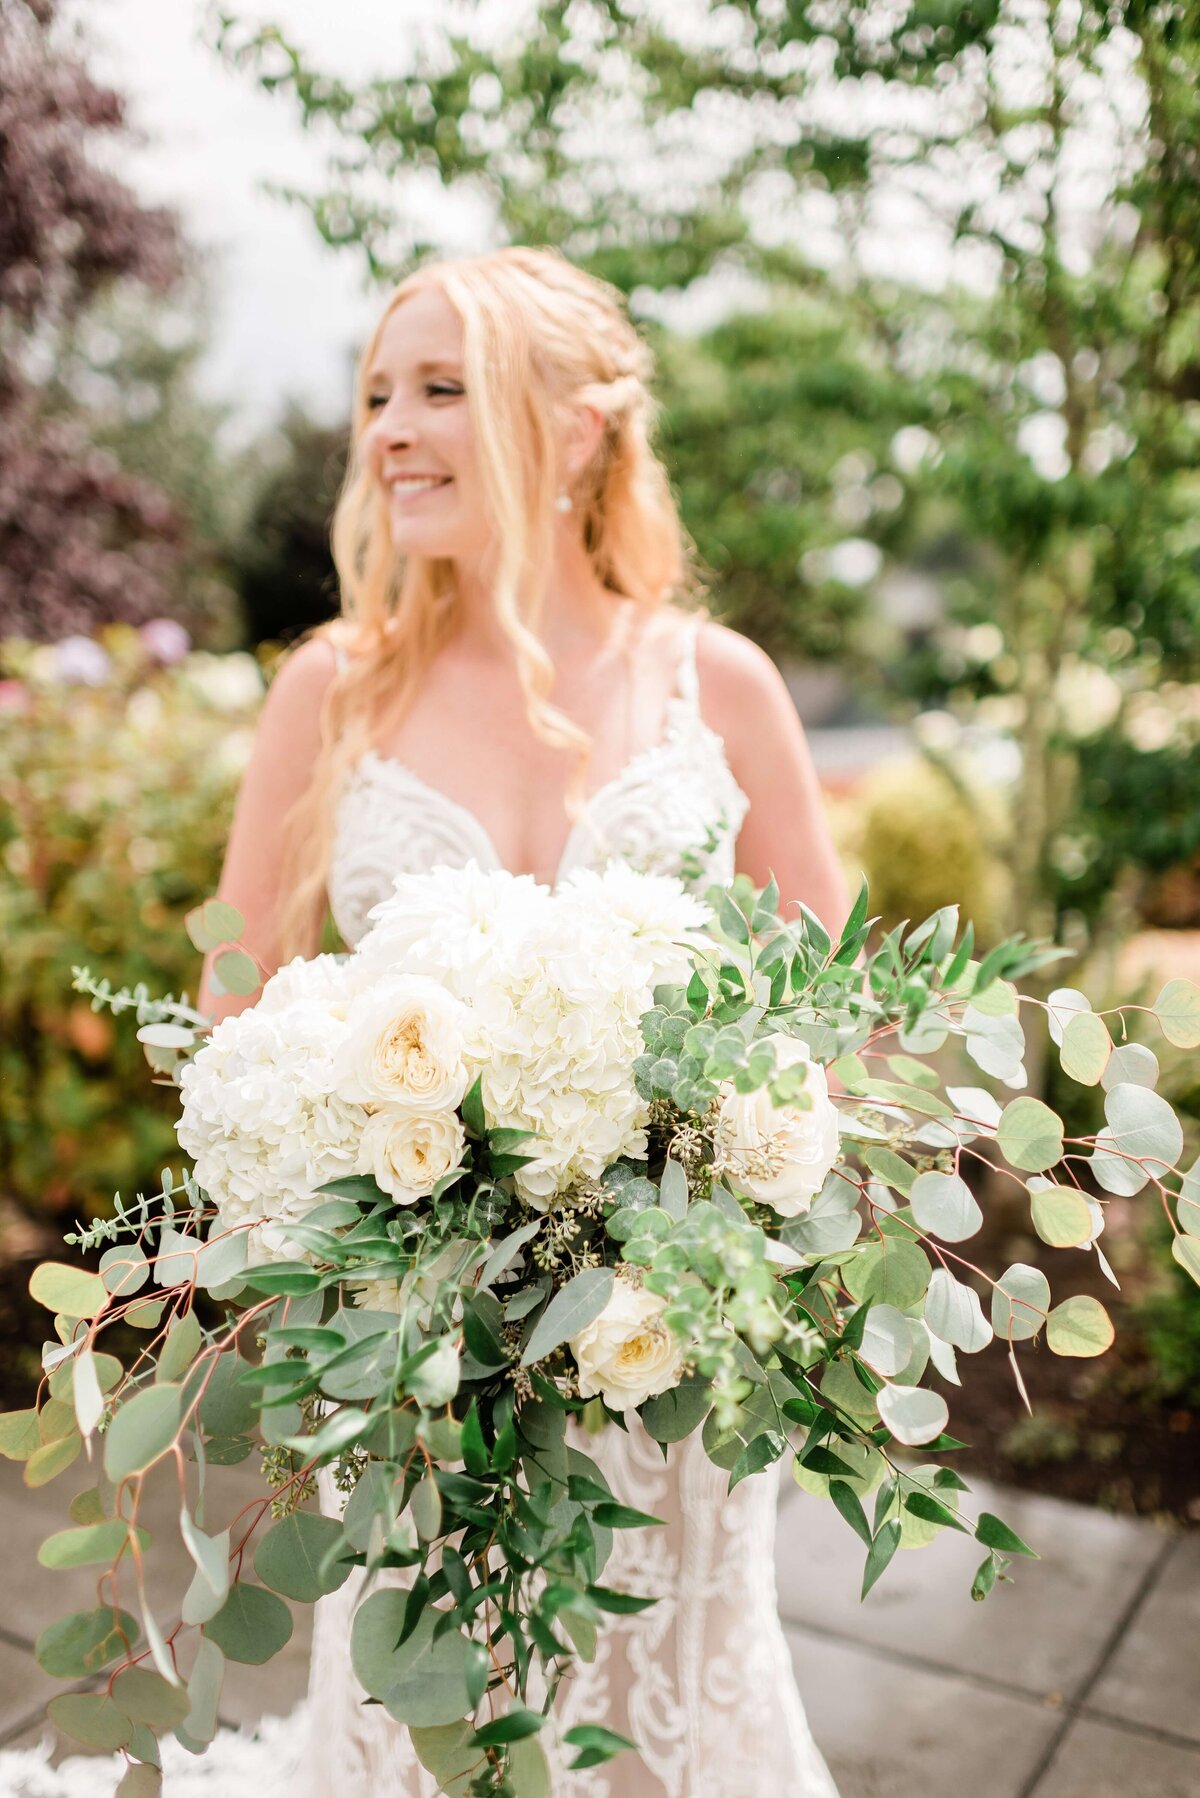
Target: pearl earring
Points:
(564, 502)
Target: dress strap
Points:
(687, 680)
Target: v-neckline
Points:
(475, 826)
(683, 700)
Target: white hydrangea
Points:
(666, 921)
(325, 980)
(451, 925)
(562, 1041)
(464, 972)
(262, 1119)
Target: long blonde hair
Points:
(540, 337)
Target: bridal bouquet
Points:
(527, 1158)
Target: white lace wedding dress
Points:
(702, 1680)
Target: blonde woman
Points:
(522, 674)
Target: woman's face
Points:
(420, 427)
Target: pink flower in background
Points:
(166, 641)
(14, 696)
(80, 662)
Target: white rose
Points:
(404, 1047)
(628, 1353)
(780, 1155)
(408, 1155)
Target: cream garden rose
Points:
(404, 1047)
(779, 1155)
(409, 1154)
(628, 1353)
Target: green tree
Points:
(281, 563)
(127, 370)
(1045, 155)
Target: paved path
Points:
(1081, 1680)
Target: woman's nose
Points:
(390, 425)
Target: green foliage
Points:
(115, 805)
(280, 560)
(773, 423)
(922, 841)
(1045, 391)
(432, 1354)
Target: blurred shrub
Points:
(923, 841)
(281, 564)
(119, 762)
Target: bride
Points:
(514, 680)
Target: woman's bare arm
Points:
(786, 831)
(280, 767)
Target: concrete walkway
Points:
(1080, 1680)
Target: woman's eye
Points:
(377, 400)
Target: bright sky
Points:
(289, 312)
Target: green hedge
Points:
(115, 805)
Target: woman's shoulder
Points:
(733, 669)
(322, 654)
(742, 694)
(298, 685)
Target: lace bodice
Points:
(674, 808)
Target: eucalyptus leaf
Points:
(891, 1272)
(19, 1435)
(674, 1414)
(1177, 1009)
(210, 1582)
(1030, 1135)
(674, 1190)
(913, 1414)
(124, 1269)
(175, 1259)
(223, 1256)
(251, 1626)
(296, 1557)
(505, 1252)
(423, 1680)
(86, 1394)
(92, 1718)
(148, 1698)
(1080, 1326)
(70, 1290)
(1130, 1064)
(143, 1428)
(945, 1205)
(1063, 1004)
(204, 1691)
(572, 1308)
(91, 1545)
(79, 1645)
(1186, 1250)
(887, 1340)
(1144, 1127)
(1062, 1216)
(1020, 1303)
(180, 1348)
(448, 1751)
(1086, 1047)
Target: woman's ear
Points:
(587, 430)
